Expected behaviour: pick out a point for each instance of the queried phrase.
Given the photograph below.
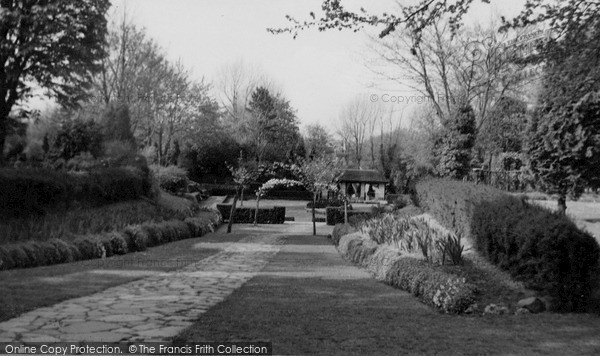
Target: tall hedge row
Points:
(541, 248)
(34, 191)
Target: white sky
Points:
(318, 72)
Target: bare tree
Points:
(357, 119)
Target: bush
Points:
(543, 249)
(137, 239)
(443, 290)
(65, 250)
(336, 215)
(6, 260)
(118, 243)
(341, 230)
(89, 247)
(76, 136)
(51, 252)
(275, 215)
(171, 178)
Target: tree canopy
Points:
(56, 45)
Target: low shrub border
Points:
(435, 287)
(275, 215)
(133, 238)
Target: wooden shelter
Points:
(362, 184)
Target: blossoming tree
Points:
(270, 184)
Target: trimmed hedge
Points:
(34, 191)
(336, 215)
(544, 250)
(443, 290)
(275, 215)
(321, 204)
(133, 238)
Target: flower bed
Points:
(445, 291)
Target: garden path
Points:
(154, 308)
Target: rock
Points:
(496, 309)
(533, 304)
(473, 308)
(522, 311)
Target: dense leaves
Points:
(54, 44)
(457, 143)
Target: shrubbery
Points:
(544, 250)
(434, 286)
(275, 215)
(133, 238)
(336, 215)
(171, 178)
(33, 191)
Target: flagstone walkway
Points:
(152, 309)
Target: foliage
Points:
(340, 230)
(452, 202)
(544, 250)
(457, 142)
(410, 235)
(116, 124)
(42, 44)
(82, 221)
(171, 178)
(564, 147)
(446, 291)
(205, 160)
(35, 191)
(334, 215)
(275, 215)
(76, 136)
(275, 183)
(33, 253)
(504, 127)
(318, 141)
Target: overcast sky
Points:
(318, 71)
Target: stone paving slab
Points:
(152, 309)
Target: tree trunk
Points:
(256, 212)
(345, 211)
(242, 197)
(232, 212)
(3, 120)
(562, 204)
(313, 213)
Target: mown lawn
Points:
(309, 301)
